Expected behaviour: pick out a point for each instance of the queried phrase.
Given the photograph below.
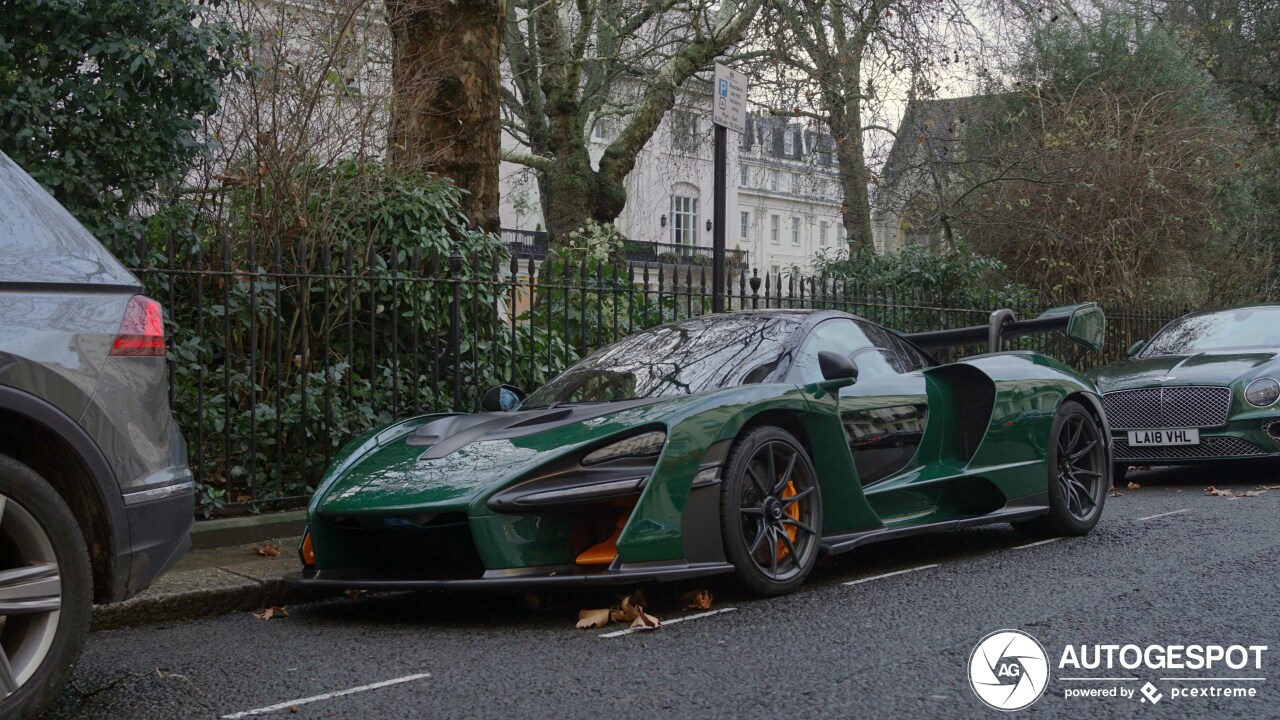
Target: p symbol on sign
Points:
(724, 88)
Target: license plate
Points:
(1164, 437)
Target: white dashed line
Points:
(628, 631)
(1038, 542)
(896, 572)
(326, 696)
(1171, 512)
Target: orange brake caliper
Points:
(794, 512)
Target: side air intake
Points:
(973, 397)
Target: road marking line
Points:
(326, 696)
(1038, 542)
(896, 572)
(1117, 679)
(1172, 512)
(709, 613)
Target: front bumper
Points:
(1238, 439)
(515, 579)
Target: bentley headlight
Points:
(642, 445)
(1262, 392)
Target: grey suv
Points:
(95, 493)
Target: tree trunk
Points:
(446, 88)
(846, 124)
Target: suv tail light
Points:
(142, 331)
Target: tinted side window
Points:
(866, 344)
(912, 357)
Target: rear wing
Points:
(1084, 324)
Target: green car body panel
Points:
(380, 491)
(1238, 430)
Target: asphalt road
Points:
(1166, 565)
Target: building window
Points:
(684, 220)
(742, 173)
(795, 231)
(746, 223)
(820, 188)
(775, 228)
(840, 234)
(773, 180)
(603, 130)
(684, 131)
(795, 184)
(822, 233)
(788, 142)
(773, 269)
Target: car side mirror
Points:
(502, 398)
(1135, 348)
(837, 368)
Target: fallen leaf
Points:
(293, 708)
(1134, 486)
(645, 621)
(272, 612)
(1229, 493)
(697, 600)
(266, 550)
(628, 609)
(1116, 493)
(1269, 487)
(593, 618)
(355, 594)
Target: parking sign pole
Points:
(718, 221)
(728, 112)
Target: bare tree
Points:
(617, 62)
(446, 83)
(835, 60)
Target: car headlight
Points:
(642, 445)
(1262, 392)
(619, 469)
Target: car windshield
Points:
(678, 359)
(1243, 328)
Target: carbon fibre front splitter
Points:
(622, 576)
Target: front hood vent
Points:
(447, 435)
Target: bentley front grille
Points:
(1209, 447)
(1168, 407)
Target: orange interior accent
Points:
(793, 512)
(308, 552)
(603, 553)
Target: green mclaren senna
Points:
(747, 443)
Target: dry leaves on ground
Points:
(265, 550)
(274, 611)
(1134, 486)
(697, 600)
(1229, 493)
(1269, 487)
(629, 609)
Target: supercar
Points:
(747, 443)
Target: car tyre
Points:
(1079, 475)
(770, 511)
(45, 591)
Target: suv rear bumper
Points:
(160, 521)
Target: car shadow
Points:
(1263, 471)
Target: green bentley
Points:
(745, 443)
(1203, 388)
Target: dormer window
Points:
(788, 142)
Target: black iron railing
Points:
(276, 365)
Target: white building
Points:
(783, 199)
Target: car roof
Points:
(42, 243)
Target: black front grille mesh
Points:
(1209, 447)
(1174, 407)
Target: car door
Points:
(884, 412)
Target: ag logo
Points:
(1008, 670)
